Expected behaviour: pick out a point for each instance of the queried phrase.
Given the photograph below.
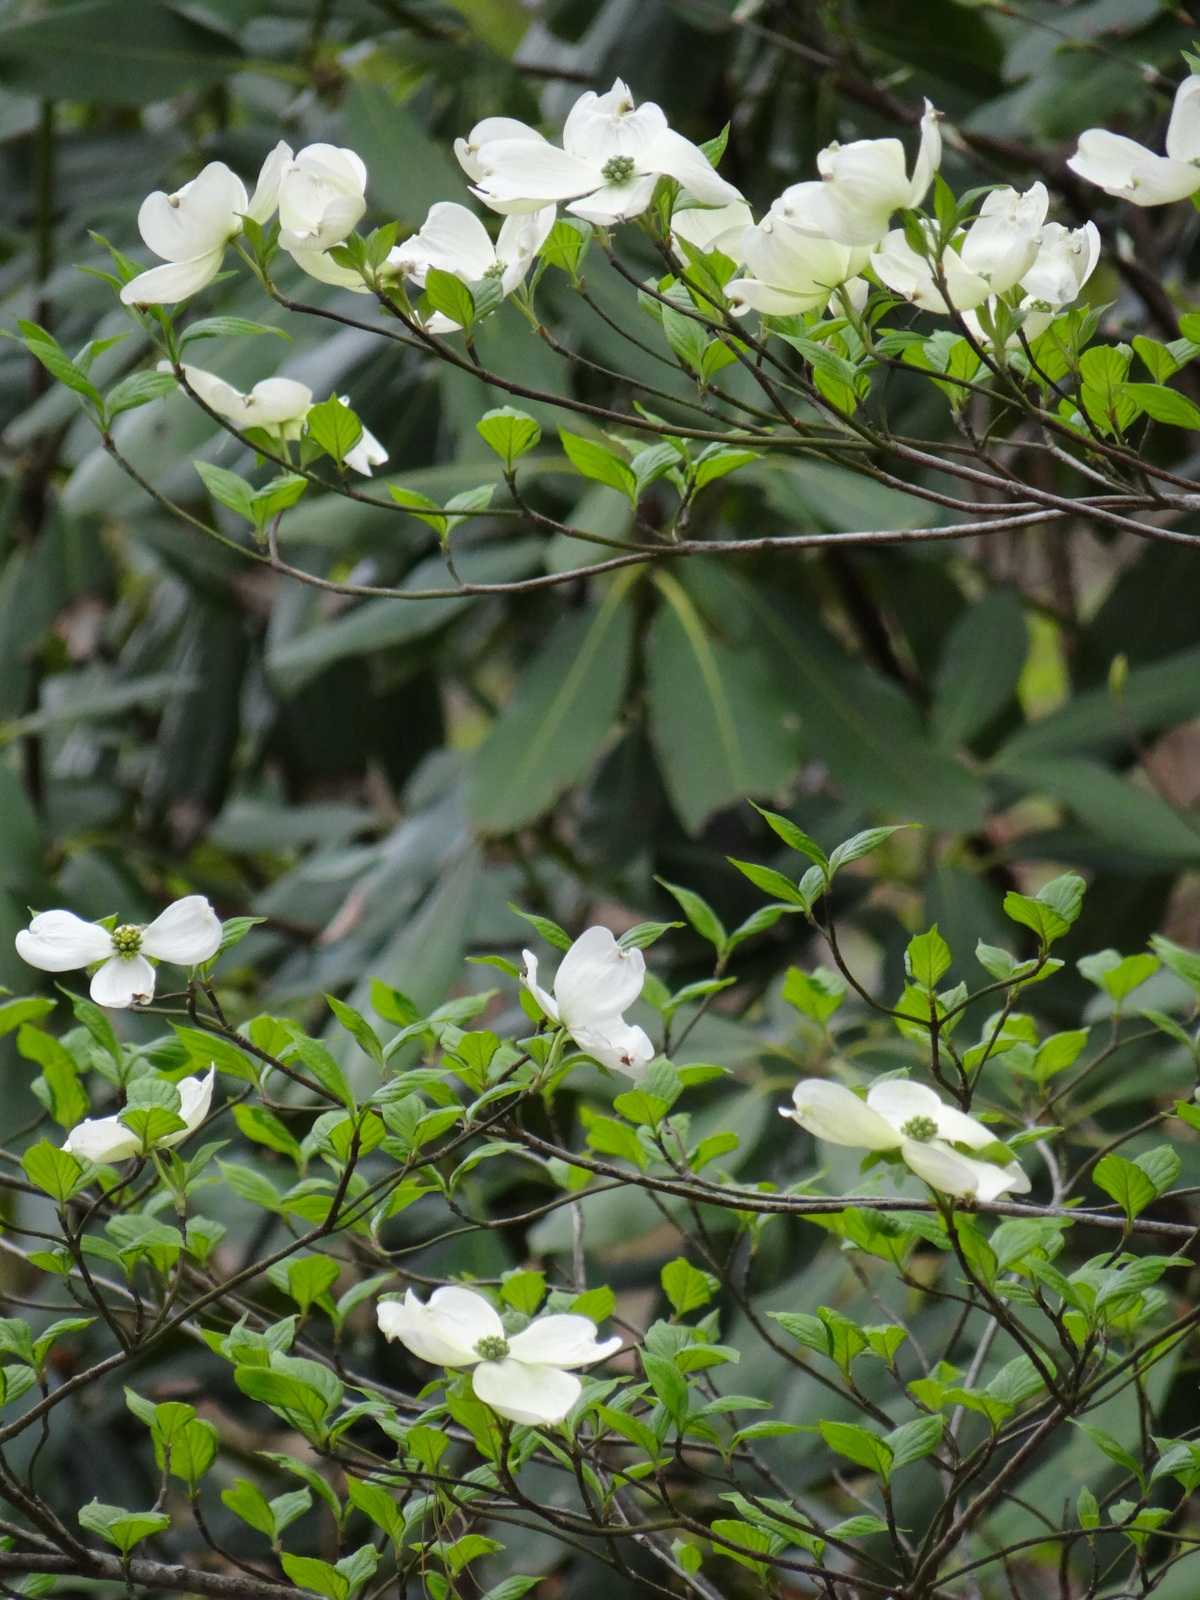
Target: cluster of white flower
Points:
(815, 242)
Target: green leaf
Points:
(817, 994)
(307, 1572)
(857, 1444)
(686, 1287)
(915, 1440)
(1118, 976)
(228, 328)
(523, 1290)
(567, 244)
(334, 428)
(358, 1027)
(56, 1172)
(450, 296)
(980, 667)
(770, 882)
(138, 389)
(715, 722)
(510, 433)
(1112, 1448)
(109, 52)
(264, 1127)
(14, 1012)
(795, 838)
(669, 1384)
(862, 844)
(1051, 912)
(699, 913)
(600, 463)
(227, 489)
(64, 1097)
(1163, 405)
(558, 719)
(309, 1277)
(125, 1529)
(1185, 964)
(1129, 1186)
(927, 959)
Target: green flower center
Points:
(493, 1348)
(496, 270)
(920, 1128)
(127, 940)
(618, 169)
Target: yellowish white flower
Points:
(278, 405)
(612, 156)
(525, 1377)
(186, 933)
(107, 1140)
(190, 229)
(863, 183)
(713, 227)
(789, 271)
(595, 984)
(912, 1119)
(452, 239)
(1128, 171)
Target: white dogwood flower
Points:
(595, 983)
(190, 229)
(789, 271)
(1065, 260)
(107, 1139)
(612, 156)
(452, 239)
(524, 1377)
(278, 405)
(321, 196)
(1128, 171)
(186, 933)
(1002, 243)
(908, 1117)
(863, 183)
(903, 269)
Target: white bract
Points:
(595, 983)
(903, 1116)
(906, 271)
(863, 183)
(1128, 171)
(790, 271)
(452, 239)
(992, 256)
(1002, 243)
(278, 405)
(612, 156)
(107, 1139)
(321, 196)
(523, 1377)
(1065, 260)
(713, 227)
(368, 452)
(190, 229)
(186, 933)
